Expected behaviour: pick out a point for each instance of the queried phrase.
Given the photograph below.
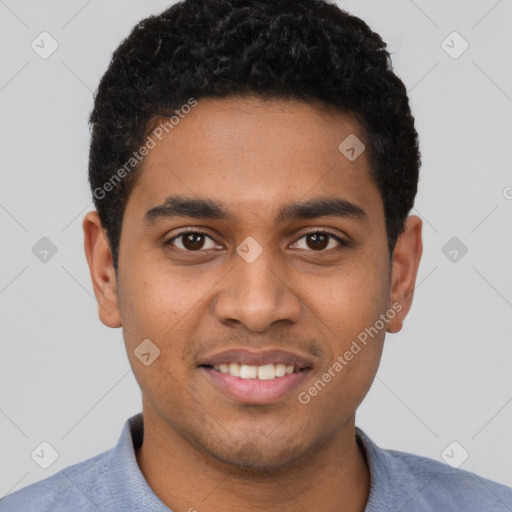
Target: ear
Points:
(99, 259)
(406, 260)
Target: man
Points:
(253, 165)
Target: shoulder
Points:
(417, 484)
(455, 488)
(84, 485)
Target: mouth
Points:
(264, 372)
(255, 377)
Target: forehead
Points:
(254, 155)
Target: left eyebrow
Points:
(199, 208)
(321, 207)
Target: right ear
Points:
(103, 276)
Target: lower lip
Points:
(255, 391)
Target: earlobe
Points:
(406, 260)
(99, 259)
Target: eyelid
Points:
(342, 241)
(198, 231)
(186, 231)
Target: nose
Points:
(257, 295)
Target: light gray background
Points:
(65, 378)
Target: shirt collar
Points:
(390, 486)
(128, 487)
(393, 486)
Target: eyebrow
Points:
(198, 208)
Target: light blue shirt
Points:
(112, 481)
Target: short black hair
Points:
(307, 50)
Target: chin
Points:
(257, 459)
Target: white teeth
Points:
(248, 372)
(234, 369)
(265, 372)
(280, 370)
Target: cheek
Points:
(152, 309)
(341, 385)
(352, 300)
(353, 335)
(350, 308)
(155, 300)
(164, 306)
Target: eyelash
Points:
(343, 243)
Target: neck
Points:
(333, 478)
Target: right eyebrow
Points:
(178, 206)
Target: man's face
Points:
(253, 282)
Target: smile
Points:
(255, 384)
(264, 372)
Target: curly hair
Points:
(308, 50)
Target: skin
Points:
(200, 446)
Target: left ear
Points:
(406, 260)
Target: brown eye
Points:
(191, 241)
(319, 241)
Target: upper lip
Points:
(260, 358)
